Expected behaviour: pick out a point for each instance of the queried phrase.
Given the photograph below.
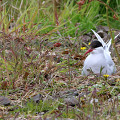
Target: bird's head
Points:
(94, 46)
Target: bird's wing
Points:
(105, 46)
(109, 43)
(99, 38)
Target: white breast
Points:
(98, 63)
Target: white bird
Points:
(99, 61)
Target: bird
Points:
(99, 60)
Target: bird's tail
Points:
(109, 43)
(105, 46)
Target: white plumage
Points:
(99, 61)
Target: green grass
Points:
(33, 14)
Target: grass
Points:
(31, 64)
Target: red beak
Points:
(89, 50)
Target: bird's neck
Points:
(98, 50)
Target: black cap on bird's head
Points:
(93, 45)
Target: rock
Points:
(37, 98)
(72, 101)
(104, 28)
(76, 93)
(102, 33)
(4, 101)
(69, 93)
